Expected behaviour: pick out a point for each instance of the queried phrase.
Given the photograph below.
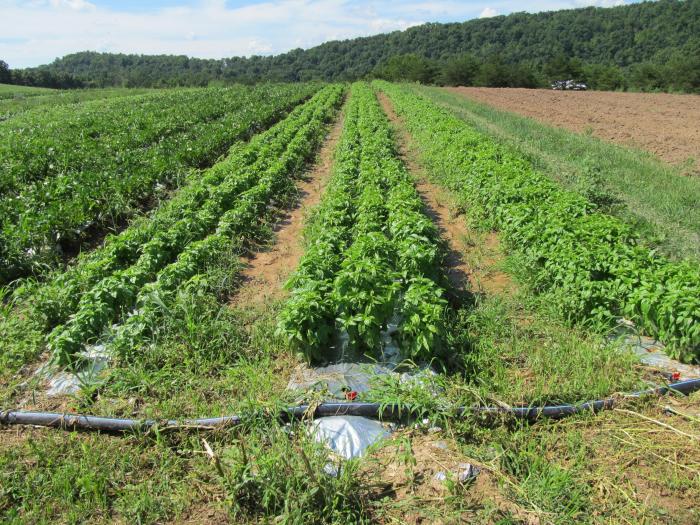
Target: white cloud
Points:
(260, 47)
(73, 5)
(37, 31)
(434, 10)
(381, 25)
(599, 3)
(76, 5)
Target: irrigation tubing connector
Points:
(369, 410)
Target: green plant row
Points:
(72, 172)
(591, 265)
(13, 107)
(373, 258)
(231, 213)
(247, 220)
(122, 124)
(193, 210)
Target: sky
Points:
(35, 32)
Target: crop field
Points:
(193, 253)
(130, 151)
(14, 101)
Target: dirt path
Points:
(664, 124)
(473, 257)
(266, 271)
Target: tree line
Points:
(38, 77)
(642, 46)
(678, 74)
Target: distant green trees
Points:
(679, 73)
(606, 77)
(461, 70)
(40, 77)
(5, 76)
(641, 46)
(45, 78)
(496, 72)
(409, 67)
(562, 67)
(467, 70)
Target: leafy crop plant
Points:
(373, 257)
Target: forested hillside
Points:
(650, 45)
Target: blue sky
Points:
(37, 31)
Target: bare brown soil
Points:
(473, 257)
(266, 271)
(664, 124)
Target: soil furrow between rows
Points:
(472, 257)
(265, 271)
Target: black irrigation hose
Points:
(108, 424)
(370, 410)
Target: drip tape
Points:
(369, 410)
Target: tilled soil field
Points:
(666, 125)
